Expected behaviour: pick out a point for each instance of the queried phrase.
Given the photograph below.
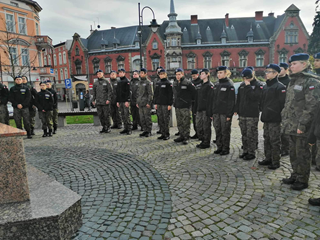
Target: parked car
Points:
(10, 109)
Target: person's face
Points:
(113, 75)
(194, 76)
(270, 73)
(43, 86)
(222, 74)
(135, 75)
(316, 63)
(143, 74)
(24, 80)
(162, 75)
(122, 74)
(203, 76)
(179, 75)
(283, 71)
(18, 81)
(48, 85)
(158, 72)
(100, 75)
(297, 66)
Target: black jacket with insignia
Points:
(55, 97)
(197, 84)
(285, 80)
(164, 93)
(20, 94)
(204, 98)
(4, 94)
(44, 101)
(123, 90)
(184, 93)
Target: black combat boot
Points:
(179, 139)
(299, 186)
(108, 130)
(114, 126)
(194, 136)
(134, 127)
(290, 180)
(54, 130)
(50, 133)
(45, 133)
(143, 134)
(124, 131)
(103, 130)
(32, 131)
(265, 162)
(314, 201)
(29, 135)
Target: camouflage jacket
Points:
(134, 85)
(102, 91)
(303, 95)
(114, 83)
(145, 93)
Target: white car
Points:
(10, 109)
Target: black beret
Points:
(159, 68)
(274, 67)
(99, 71)
(42, 83)
(179, 70)
(299, 57)
(162, 70)
(113, 71)
(222, 68)
(17, 77)
(247, 72)
(316, 56)
(206, 70)
(136, 71)
(251, 68)
(194, 71)
(48, 81)
(143, 70)
(284, 65)
(121, 70)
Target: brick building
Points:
(193, 43)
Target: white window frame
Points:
(65, 73)
(24, 28)
(55, 60)
(207, 62)
(37, 29)
(283, 57)
(225, 61)
(108, 66)
(44, 61)
(12, 23)
(174, 42)
(191, 63)
(155, 45)
(25, 57)
(49, 60)
(60, 59)
(64, 58)
(155, 63)
(61, 73)
(14, 55)
(259, 60)
(243, 61)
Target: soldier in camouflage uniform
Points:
(144, 103)
(155, 82)
(184, 93)
(247, 108)
(272, 103)
(115, 113)
(20, 98)
(134, 84)
(204, 111)
(44, 103)
(123, 101)
(223, 109)
(303, 95)
(196, 81)
(163, 99)
(102, 96)
(4, 97)
(32, 107)
(55, 106)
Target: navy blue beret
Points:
(274, 67)
(299, 57)
(162, 70)
(42, 83)
(113, 71)
(99, 71)
(284, 65)
(316, 56)
(136, 71)
(48, 81)
(17, 77)
(206, 70)
(121, 70)
(179, 70)
(222, 68)
(251, 68)
(194, 71)
(159, 68)
(247, 72)
(143, 70)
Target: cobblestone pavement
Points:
(144, 188)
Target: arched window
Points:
(60, 59)
(64, 58)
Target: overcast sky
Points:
(60, 19)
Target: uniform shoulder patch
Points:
(311, 87)
(283, 91)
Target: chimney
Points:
(194, 19)
(271, 14)
(91, 29)
(113, 27)
(259, 16)
(227, 20)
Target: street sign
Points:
(90, 85)
(68, 83)
(51, 71)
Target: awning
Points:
(81, 78)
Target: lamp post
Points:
(153, 25)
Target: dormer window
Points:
(137, 44)
(155, 45)
(198, 41)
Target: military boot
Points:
(314, 201)
(45, 133)
(29, 135)
(54, 130)
(32, 131)
(50, 133)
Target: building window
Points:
(78, 67)
(96, 66)
(10, 23)
(282, 57)
(77, 51)
(155, 45)
(243, 61)
(259, 60)
(191, 63)
(108, 65)
(155, 63)
(39, 59)
(198, 41)
(60, 59)
(13, 55)
(65, 73)
(37, 29)
(22, 25)
(136, 64)
(291, 37)
(55, 60)
(64, 58)
(225, 60)
(56, 74)
(45, 61)
(25, 56)
(121, 64)
(49, 60)
(173, 42)
(61, 74)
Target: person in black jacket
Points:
(272, 103)
(115, 113)
(196, 81)
(134, 84)
(247, 108)
(4, 97)
(204, 112)
(44, 102)
(55, 106)
(184, 94)
(123, 101)
(20, 98)
(32, 107)
(223, 109)
(163, 99)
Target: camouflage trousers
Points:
(135, 115)
(115, 114)
(32, 117)
(204, 127)
(272, 141)
(284, 143)
(163, 119)
(316, 154)
(145, 119)
(104, 115)
(18, 114)
(183, 122)
(194, 119)
(46, 120)
(4, 114)
(223, 131)
(249, 133)
(125, 115)
(55, 117)
(300, 158)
